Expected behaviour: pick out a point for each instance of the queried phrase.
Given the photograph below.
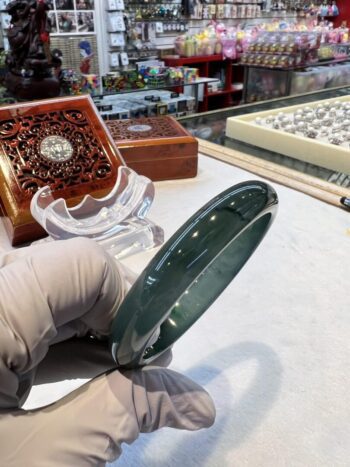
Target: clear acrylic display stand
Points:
(117, 221)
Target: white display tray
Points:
(314, 151)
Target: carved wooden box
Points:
(59, 142)
(157, 147)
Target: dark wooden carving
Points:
(157, 147)
(62, 143)
(30, 61)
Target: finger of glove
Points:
(77, 280)
(163, 397)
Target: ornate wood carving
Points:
(62, 143)
(29, 60)
(146, 128)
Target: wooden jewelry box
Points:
(157, 147)
(62, 143)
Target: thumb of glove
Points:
(88, 426)
(165, 398)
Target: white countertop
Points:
(273, 350)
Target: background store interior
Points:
(149, 58)
(278, 371)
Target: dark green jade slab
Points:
(190, 271)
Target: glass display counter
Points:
(110, 103)
(164, 85)
(176, 99)
(263, 83)
(209, 128)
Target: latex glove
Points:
(88, 427)
(50, 293)
(162, 397)
(62, 290)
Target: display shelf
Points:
(254, 76)
(113, 103)
(175, 60)
(154, 88)
(209, 65)
(154, 2)
(219, 93)
(262, 17)
(300, 67)
(158, 20)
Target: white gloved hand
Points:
(162, 398)
(50, 293)
(89, 426)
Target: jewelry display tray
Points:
(321, 153)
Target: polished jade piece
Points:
(190, 271)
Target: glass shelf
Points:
(199, 81)
(296, 67)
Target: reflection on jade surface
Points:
(211, 127)
(190, 271)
